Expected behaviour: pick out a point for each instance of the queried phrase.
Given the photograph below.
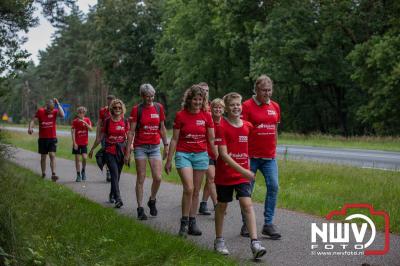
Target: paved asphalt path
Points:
(355, 157)
(293, 249)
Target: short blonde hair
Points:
(81, 109)
(192, 92)
(115, 102)
(261, 80)
(231, 96)
(217, 101)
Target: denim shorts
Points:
(195, 160)
(147, 151)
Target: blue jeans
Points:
(269, 169)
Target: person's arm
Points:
(163, 133)
(32, 124)
(73, 139)
(211, 139)
(223, 152)
(60, 109)
(98, 128)
(95, 144)
(171, 151)
(87, 125)
(131, 136)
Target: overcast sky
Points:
(40, 37)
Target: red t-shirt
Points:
(104, 113)
(236, 141)
(116, 133)
(81, 131)
(47, 123)
(209, 150)
(265, 119)
(149, 132)
(193, 130)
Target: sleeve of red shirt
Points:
(219, 136)
(87, 119)
(162, 113)
(209, 121)
(133, 115)
(177, 121)
(37, 115)
(101, 114)
(73, 124)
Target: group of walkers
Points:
(224, 140)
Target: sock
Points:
(254, 240)
(83, 170)
(192, 218)
(78, 174)
(185, 218)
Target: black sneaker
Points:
(118, 204)
(244, 231)
(140, 214)
(83, 175)
(152, 205)
(204, 209)
(43, 175)
(183, 230)
(193, 228)
(108, 176)
(270, 230)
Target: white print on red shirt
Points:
(271, 112)
(154, 116)
(200, 123)
(243, 138)
(47, 124)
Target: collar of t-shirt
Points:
(260, 103)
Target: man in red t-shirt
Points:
(233, 174)
(80, 137)
(265, 116)
(104, 113)
(47, 119)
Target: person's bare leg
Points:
(197, 180)
(186, 175)
(156, 168)
(43, 164)
(52, 156)
(77, 164)
(219, 218)
(84, 159)
(141, 176)
(247, 208)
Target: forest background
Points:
(335, 64)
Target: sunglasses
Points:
(117, 108)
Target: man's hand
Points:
(30, 131)
(75, 146)
(249, 175)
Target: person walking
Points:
(217, 109)
(265, 115)
(80, 128)
(47, 142)
(193, 125)
(114, 131)
(233, 174)
(146, 127)
(104, 113)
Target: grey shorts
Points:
(147, 151)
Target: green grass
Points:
(44, 223)
(320, 140)
(313, 188)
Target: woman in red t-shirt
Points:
(193, 125)
(114, 131)
(217, 109)
(146, 127)
(80, 137)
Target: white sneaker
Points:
(257, 249)
(219, 246)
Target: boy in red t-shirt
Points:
(233, 174)
(47, 142)
(80, 138)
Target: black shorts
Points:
(47, 145)
(211, 162)
(81, 149)
(225, 193)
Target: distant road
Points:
(355, 157)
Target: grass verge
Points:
(313, 188)
(43, 223)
